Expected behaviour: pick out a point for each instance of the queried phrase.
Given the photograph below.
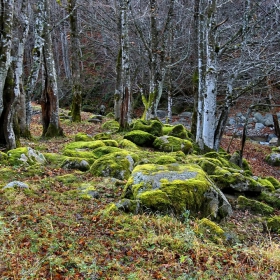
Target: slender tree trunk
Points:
(75, 62)
(49, 99)
(125, 118)
(20, 111)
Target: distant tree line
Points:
(145, 51)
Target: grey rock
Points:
(15, 184)
(259, 126)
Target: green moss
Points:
(53, 131)
(55, 158)
(25, 155)
(266, 184)
(127, 144)
(128, 205)
(118, 165)
(102, 136)
(82, 149)
(273, 159)
(155, 200)
(211, 230)
(3, 158)
(140, 138)
(6, 173)
(176, 131)
(273, 224)
(274, 182)
(66, 179)
(110, 115)
(82, 137)
(112, 143)
(111, 125)
(272, 199)
(153, 127)
(101, 151)
(173, 144)
(179, 187)
(166, 159)
(254, 205)
(109, 210)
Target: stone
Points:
(175, 188)
(273, 159)
(25, 155)
(172, 144)
(273, 141)
(76, 163)
(15, 184)
(140, 138)
(259, 126)
(118, 165)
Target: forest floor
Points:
(50, 232)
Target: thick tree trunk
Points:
(6, 24)
(7, 135)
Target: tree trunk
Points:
(49, 99)
(20, 117)
(75, 63)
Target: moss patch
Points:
(153, 127)
(82, 137)
(173, 144)
(111, 125)
(118, 165)
(254, 205)
(273, 224)
(140, 138)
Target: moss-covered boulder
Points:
(101, 151)
(270, 198)
(111, 125)
(110, 142)
(235, 180)
(76, 163)
(173, 144)
(153, 127)
(82, 137)
(118, 165)
(25, 155)
(255, 206)
(82, 149)
(273, 159)
(128, 145)
(273, 224)
(176, 188)
(140, 138)
(177, 131)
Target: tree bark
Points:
(49, 98)
(75, 63)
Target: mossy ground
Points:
(50, 232)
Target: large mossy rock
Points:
(118, 165)
(175, 188)
(273, 159)
(173, 144)
(140, 138)
(177, 131)
(76, 163)
(25, 155)
(153, 127)
(254, 206)
(82, 149)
